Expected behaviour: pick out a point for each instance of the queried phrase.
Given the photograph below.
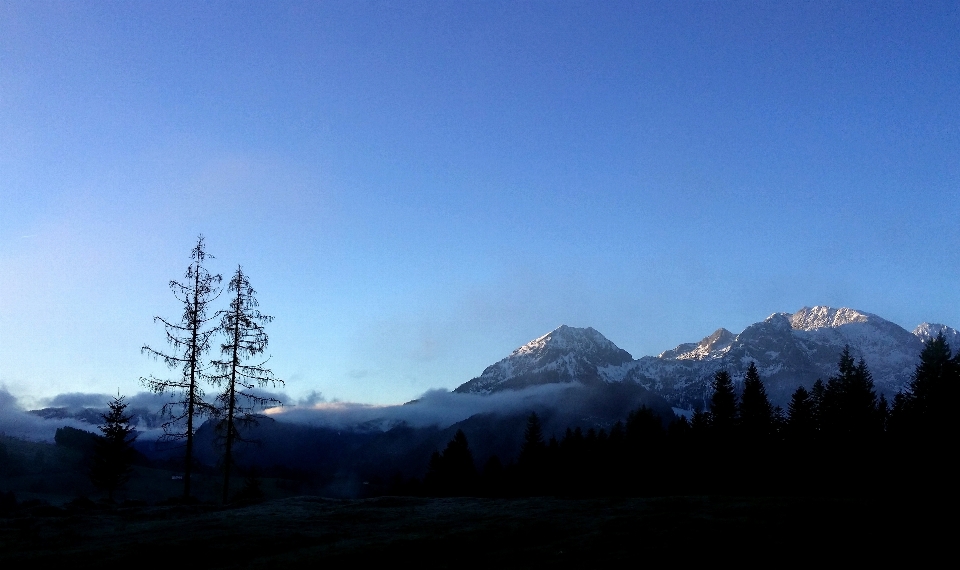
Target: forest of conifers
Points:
(837, 438)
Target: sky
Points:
(415, 189)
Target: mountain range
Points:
(570, 377)
(789, 350)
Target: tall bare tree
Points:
(244, 338)
(189, 339)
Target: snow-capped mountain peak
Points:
(711, 346)
(565, 354)
(927, 331)
(564, 338)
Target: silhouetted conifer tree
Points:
(801, 423)
(923, 422)
(778, 423)
(720, 449)
(114, 453)
(817, 395)
(700, 423)
(800, 466)
(897, 421)
(928, 405)
(831, 415)
(861, 400)
(756, 413)
(851, 435)
(452, 472)
(533, 447)
(883, 413)
(644, 427)
(723, 403)
(190, 340)
(849, 404)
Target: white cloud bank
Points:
(436, 407)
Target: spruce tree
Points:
(718, 445)
(244, 337)
(723, 403)
(897, 422)
(533, 459)
(190, 340)
(756, 412)
(883, 414)
(459, 461)
(533, 447)
(113, 453)
(452, 472)
(801, 423)
(800, 466)
(933, 389)
(833, 405)
(700, 423)
(861, 403)
(817, 394)
(778, 423)
(849, 404)
(644, 428)
(922, 425)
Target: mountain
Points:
(926, 331)
(789, 350)
(566, 354)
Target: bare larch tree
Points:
(190, 339)
(244, 338)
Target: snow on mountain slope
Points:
(808, 319)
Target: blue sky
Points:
(416, 189)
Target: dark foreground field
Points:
(465, 532)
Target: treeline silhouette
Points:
(839, 438)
